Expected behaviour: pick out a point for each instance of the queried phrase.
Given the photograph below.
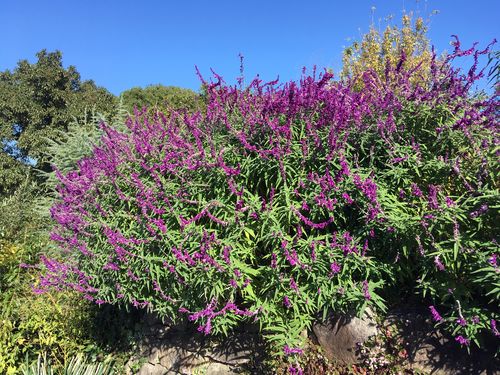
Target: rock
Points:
(431, 351)
(149, 369)
(178, 350)
(340, 334)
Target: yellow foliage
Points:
(377, 49)
(54, 323)
(8, 252)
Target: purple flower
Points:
(335, 268)
(347, 198)
(286, 302)
(415, 190)
(462, 340)
(449, 202)
(291, 351)
(493, 260)
(435, 315)
(366, 290)
(432, 198)
(111, 266)
(438, 263)
(226, 255)
(494, 329)
(273, 260)
(304, 206)
(481, 210)
(295, 370)
(461, 321)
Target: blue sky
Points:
(123, 44)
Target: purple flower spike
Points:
(286, 302)
(435, 315)
(437, 262)
(494, 329)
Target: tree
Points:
(161, 97)
(37, 101)
(376, 50)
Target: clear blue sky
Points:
(122, 44)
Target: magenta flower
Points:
(295, 370)
(494, 329)
(493, 260)
(449, 202)
(435, 315)
(462, 340)
(461, 321)
(335, 268)
(291, 351)
(347, 198)
(111, 266)
(293, 285)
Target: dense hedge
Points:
(282, 202)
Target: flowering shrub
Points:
(284, 202)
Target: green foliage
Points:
(78, 142)
(19, 220)
(59, 324)
(161, 97)
(445, 251)
(76, 366)
(37, 102)
(291, 202)
(12, 173)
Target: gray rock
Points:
(177, 350)
(149, 369)
(339, 335)
(431, 351)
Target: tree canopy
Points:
(38, 101)
(376, 50)
(161, 97)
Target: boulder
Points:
(340, 335)
(431, 351)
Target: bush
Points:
(284, 202)
(59, 324)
